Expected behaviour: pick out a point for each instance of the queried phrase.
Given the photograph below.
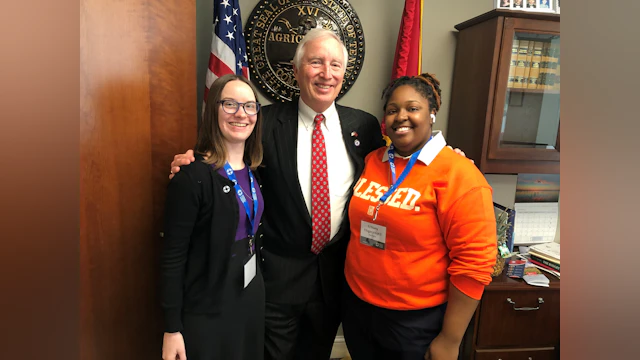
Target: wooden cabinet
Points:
(505, 99)
(515, 321)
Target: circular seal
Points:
(274, 29)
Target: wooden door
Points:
(138, 109)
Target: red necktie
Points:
(320, 206)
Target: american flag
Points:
(228, 49)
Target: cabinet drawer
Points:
(549, 354)
(519, 318)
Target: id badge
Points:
(249, 270)
(373, 235)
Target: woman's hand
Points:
(179, 160)
(173, 346)
(442, 348)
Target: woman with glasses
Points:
(213, 292)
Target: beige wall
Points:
(381, 21)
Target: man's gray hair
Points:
(313, 34)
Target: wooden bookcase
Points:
(507, 127)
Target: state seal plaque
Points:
(274, 29)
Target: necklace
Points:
(246, 193)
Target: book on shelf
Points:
(552, 65)
(534, 72)
(521, 64)
(527, 65)
(544, 62)
(555, 65)
(513, 63)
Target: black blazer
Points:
(289, 267)
(201, 220)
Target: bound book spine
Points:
(534, 73)
(521, 66)
(527, 65)
(513, 63)
(543, 262)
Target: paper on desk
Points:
(535, 223)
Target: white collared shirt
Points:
(430, 150)
(339, 166)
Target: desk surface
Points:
(503, 282)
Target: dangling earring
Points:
(433, 117)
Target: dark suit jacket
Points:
(290, 269)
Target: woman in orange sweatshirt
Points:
(423, 237)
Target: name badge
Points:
(249, 270)
(373, 235)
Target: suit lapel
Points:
(286, 142)
(348, 125)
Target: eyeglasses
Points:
(232, 106)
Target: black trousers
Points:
(301, 331)
(375, 333)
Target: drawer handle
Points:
(540, 301)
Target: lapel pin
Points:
(357, 142)
(353, 133)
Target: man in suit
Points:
(304, 261)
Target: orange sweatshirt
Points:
(440, 227)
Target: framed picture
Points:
(546, 5)
(529, 5)
(503, 4)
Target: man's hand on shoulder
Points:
(179, 160)
(459, 152)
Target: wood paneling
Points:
(138, 109)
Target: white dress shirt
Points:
(339, 166)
